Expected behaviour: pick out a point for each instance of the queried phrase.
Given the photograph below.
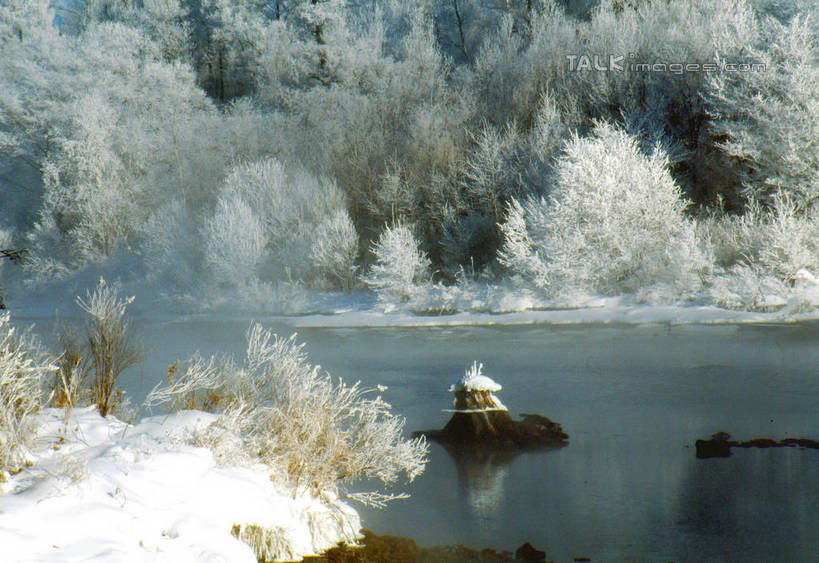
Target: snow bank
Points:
(103, 490)
(604, 310)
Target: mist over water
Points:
(633, 400)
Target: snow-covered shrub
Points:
(316, 433)
(275, 224)
(400, 265)
(110, 348)
(768, 118)
(22, 368)
(614, 224)
(334, 251)
(234, 242)
(790, 239)
(766, 255)
(169, 245)
(733, 238)
(781, 239)
(747, 286)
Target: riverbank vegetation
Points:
(257, 154)
(312, 436)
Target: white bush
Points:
(288, 226)
(316, 433)
(790, 239)
(171, 247)
(334, 251)
(22, 369)
(234, 242)
(614, 224)
(764, 253)
(400, 266)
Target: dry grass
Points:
(109, 347)
(68, 386)
(269, 544)
(22, 368)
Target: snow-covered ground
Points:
(102, 490)
(612, 310)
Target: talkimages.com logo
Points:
(623, 63)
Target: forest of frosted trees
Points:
(442, 154)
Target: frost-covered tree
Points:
(110, 132)
(373, 91)
(234, 242)
(768, 118)
(400, 266)
(164, 21)
(275, 224)
(334, 250)
(97, 135)
(517, 66)
(614, 223)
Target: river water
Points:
(633, 400)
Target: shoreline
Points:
(376, 548)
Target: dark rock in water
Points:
(720, 444)
(497, 429)
(759, 443)
(800, 442)
(528, 553)
(386, 548)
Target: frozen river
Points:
(633, 400)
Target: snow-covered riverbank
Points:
(98, 489)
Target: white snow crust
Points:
(608, 310)
(103, 490)
(474, 380)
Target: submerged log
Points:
(720, 444)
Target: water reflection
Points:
(756, 504)
(482, 472)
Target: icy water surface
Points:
(633, 400)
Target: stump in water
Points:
(483, 439)
(480, 420)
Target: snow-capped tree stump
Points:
(482, 439)
(480, 418)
